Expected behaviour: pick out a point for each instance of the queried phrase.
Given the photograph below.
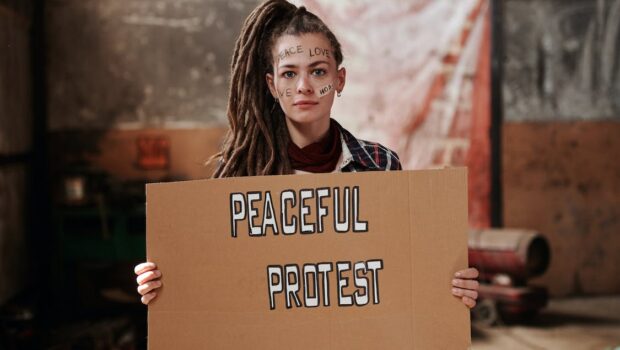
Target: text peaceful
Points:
(303, 211)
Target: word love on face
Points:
(304, 211)
(299, 49)
(320, 92)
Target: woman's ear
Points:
(271, 85)
(342, 78)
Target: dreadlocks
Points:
(257, 141)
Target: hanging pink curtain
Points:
(418, 81)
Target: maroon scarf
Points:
(318, 157)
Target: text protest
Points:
(291, 281)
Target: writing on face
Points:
(312, 64)
(299, 49)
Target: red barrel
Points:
(519, 253)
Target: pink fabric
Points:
(418, 82)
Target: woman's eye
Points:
(319, 72)
(288, 74)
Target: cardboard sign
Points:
(326, 261)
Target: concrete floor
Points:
(576, 323)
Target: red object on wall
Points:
(153, 152)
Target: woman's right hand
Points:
(148, 281)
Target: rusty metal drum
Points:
(518, 253)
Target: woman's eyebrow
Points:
(311, 65)
(288, 66)
(314, 64)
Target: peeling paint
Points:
(187, 24)
(140, 61)
(562, 60)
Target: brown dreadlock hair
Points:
(257, 141)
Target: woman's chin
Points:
(306, 118)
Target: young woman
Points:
(285, 74)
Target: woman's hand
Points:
(148, 281)
(465, 286)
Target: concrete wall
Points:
(564, 180)
(562, 60)
(189, 150)
(140, 63)
(119, 69)
(560, 139)
(15, 140)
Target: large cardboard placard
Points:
(326, 261)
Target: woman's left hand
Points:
(465, 286)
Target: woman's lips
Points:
(305, 104)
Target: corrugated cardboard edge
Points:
(439, 177)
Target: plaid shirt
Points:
(360, 155)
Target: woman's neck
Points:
(303, 134)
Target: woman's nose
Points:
(304, 86)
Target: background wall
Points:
(139, 67)
(15, 143)
(561, 146)
(140, 63)
(142, 66)
(562, 60)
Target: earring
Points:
(339, 93)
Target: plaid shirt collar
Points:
(354, 155)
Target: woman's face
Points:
(305, 77)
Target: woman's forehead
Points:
(307, 39)
(302, 49)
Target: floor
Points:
(574, 323)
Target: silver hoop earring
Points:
(339, 93)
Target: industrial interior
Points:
(99, 98)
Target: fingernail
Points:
(455, 282)
(454, 291)
(458, 274)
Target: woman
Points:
(285, 75)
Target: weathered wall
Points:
(561, 141)
(564, 180)
(562, 60)
(118, 69)
(189, 150)
(15, 81)
(15, 140)
(140, 63)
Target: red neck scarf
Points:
(318, 157)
